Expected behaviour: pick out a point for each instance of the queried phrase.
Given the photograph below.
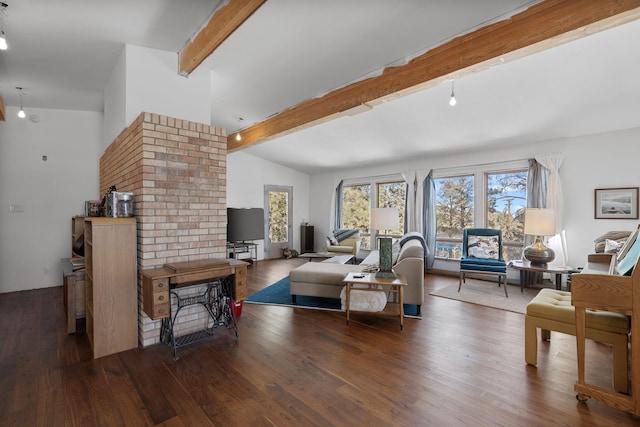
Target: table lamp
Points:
(539, 222)
(385, 219)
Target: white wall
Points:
(51, 192)
(246, 177)
(154, 85)
(596, 161)
(115, 102)
(147, 80)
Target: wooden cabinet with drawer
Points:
(155, 296)
(157, 282)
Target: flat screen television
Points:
(245, 224)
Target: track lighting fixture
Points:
(452, 100)
(21, 113)
(3, 38)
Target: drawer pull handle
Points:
(161, 297)
(160, 285)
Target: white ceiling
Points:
(62, 53)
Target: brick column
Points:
(176, 170)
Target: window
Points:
(393, 195)
(481, 198)
(357, 201)
(454, 213)
(506, 201)
(356, 208)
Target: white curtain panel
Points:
(555, 200)
(415, 198)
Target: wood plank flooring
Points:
(460, 365)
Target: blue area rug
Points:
(278, 294)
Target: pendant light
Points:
(452, 100)
(21, 113)
(238, 136)
(3, 38)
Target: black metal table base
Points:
(216, 300)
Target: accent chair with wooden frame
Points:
(482, 254)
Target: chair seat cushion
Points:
(483, 264)
(556, 305)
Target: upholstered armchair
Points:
(482, 254)
(350, 245)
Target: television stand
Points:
(234, 249)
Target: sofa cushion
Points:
(323, 273)
(480, 264)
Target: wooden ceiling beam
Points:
(3, 111)
(221, 25)
(546, 24)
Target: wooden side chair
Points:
(482, 254)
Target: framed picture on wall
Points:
(616, 203)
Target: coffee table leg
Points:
(558, 281)
(348, 291)
(401, 307)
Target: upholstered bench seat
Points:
(551, 310)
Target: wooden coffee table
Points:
(371, 282)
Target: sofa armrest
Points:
(413, 269)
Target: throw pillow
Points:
(332, 240)
(486, 247)
(611, 246)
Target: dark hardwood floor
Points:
(459, 365)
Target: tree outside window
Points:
(454, 212)
(356, 208)
(393, 195)
(278, 217)
(503, 208)
(357, 201)
(506, 201)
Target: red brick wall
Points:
(176, 170)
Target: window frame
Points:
(373, 183)
(480, 191)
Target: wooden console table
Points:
(160, 284)
(596, 288)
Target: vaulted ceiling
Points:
(289, 76)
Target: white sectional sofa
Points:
(325, 279)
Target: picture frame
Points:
(616, 203)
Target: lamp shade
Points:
(539, 222)
(384, 219)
